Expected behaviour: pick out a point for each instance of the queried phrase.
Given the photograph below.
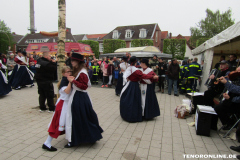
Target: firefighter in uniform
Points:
(181, 77)
(95, 68)
(45, 69)
(193, 69)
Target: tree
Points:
(94, 46)
(141, 42)
(6, 38)
(176, 47)
(61, 36)
(213, 24)
(110, 45)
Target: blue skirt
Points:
(119, 84)
(130, 103)
(4, 88)
(85, 126)
(20, 77)
(151, 104)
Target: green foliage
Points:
(176, 47)
(201, 41)
(213, 24)
(141, 42)
(94, 46)
(6, 38)
(110, 45)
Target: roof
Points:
(79, 37)
(225, 36)
(96, 36)
(138, 49)
(136, 28)
(52, 47)
(164, 34)
(182, 37)
(40, 36)
(16, 37)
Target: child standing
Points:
(110, 73)
(104, 67)
(57, 124)
(95, 68)
(116, 73)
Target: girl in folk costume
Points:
(81, 121)
(150, 107)
(5, 88)
(123, 66)
(130, 98)
(21, 75)
(57, 124)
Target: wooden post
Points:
(61, 36)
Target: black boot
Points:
(237, 149)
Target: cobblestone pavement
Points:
(23, 130)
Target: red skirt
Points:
(53, 128)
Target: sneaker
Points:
(102, 86)
(106, 85)
(50, 111)
(42, 111)
(32, 85)
(18, 88)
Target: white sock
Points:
(48, 141)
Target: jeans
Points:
(110, 80)
(174, 83)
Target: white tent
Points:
(225, 43)
(138, 49)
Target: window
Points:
(128, 33)
(115, 34)
(142, 33)
(100, 47)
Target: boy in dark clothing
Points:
(116, 73)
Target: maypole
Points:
(61, 36)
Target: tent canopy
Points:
(138, 49)
(221, 41)
(138, 54)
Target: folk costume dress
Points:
(21, 75)
(130, 98)
(57, 124)
(150, 107)
(123, 66)
(81, 122)
(5, 88)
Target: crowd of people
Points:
(134, 81)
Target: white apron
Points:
(68, 127)
(130, 70)
(31, 74)
(144, 88)
(124, 66)
(4, 77)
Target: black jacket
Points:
(162, 71)
(173, 71)
(232, 65)
(45, 70)
(68, 62)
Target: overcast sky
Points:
(102, 16)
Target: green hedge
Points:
(141, 42)
(94, 46)
(176, 47)
(110, 45)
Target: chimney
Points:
(32, 23)
(170, 35)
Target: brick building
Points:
(129, 33)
